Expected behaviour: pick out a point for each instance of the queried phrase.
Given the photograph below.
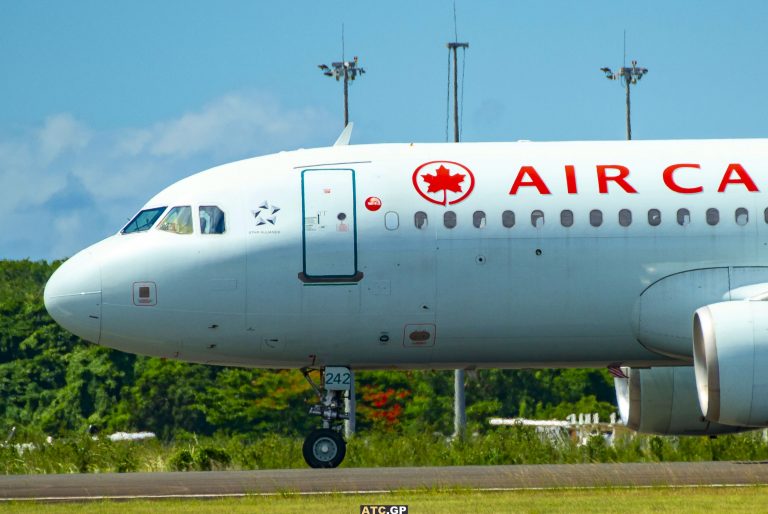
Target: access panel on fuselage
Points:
(329, 223)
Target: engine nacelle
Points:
(663, 401)
(730, 354)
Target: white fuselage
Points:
(309, 272)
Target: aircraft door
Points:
(329, 225)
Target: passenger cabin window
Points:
(566, 218)
(178, 220)
(683, 217)
(595, 217)
(713, 216)
(625, 217)
(508, 218)
(654, 217)
(765, 215)
(478, 219)
(143, 220)
(742, 216)
(211, 220)
(449, 219)
(391, 220)
(420, 220)
(537, 218)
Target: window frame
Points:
(596, 218)
(745, 212)
(199, 219)
(657, 213)
(479, 219)
(566, 215)
(537, 214)
(625, 214)
(388, 216)
(424, 217)
(168, 213)
(161, 211)
(449, 216)
(712, 216)
(509, 215)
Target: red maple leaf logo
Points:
(435, 176)
(444, 181)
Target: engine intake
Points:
(663, 401)
(730, 355)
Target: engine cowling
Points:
(664, 401)
(730, 354)
(662, 317)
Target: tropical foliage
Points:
(51, 383)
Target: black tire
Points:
(324, 448)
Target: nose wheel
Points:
(325, 447)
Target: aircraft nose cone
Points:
(73, 296)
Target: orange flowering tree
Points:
(382, 399)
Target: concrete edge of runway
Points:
(208, 485)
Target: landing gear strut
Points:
(325, 447)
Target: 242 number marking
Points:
(338, 379)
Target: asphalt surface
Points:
(313, 481)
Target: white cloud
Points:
(133, 142)
(21, 166)
(67, 223)
(231, 124)
(64, 185)
(60, 133)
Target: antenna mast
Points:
(453, 47)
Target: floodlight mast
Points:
(629, 76)
(348, 70)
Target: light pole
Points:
(628, 76)
(459, 400)
(348, 70)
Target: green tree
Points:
(260, 401)
(52, 382)
(166, 397)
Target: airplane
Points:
(649, 258)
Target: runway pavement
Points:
(353, 480)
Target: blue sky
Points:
(105, 103)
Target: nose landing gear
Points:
(325, 447)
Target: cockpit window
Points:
(143, 220)
(211, 220)
(178, 220)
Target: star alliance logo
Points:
(265, 214)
